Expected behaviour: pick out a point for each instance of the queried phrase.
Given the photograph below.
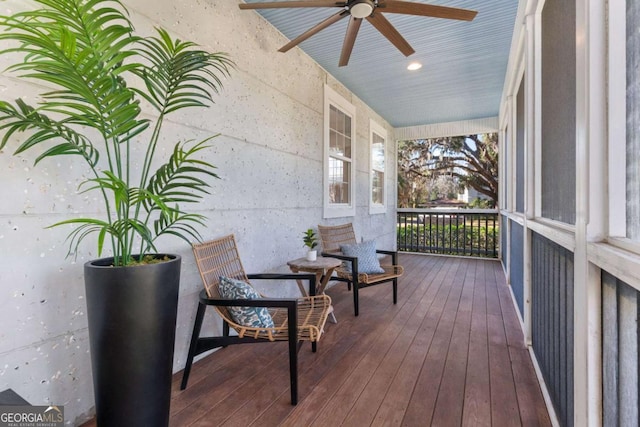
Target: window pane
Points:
(559, 111)
(520, 148)
(377, 153)
(506, 183)
(333, 117)
(347, 146)
(339, 133)
(336, 142)
(633, 120)
(377, 195)
(339, 173)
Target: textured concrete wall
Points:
(269, 156)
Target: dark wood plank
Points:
(533, 412)
(219, 389)
(396, 401)
(423, 401)
(353, 384)
(504, 404)
(530, 400)
(320, 380)
(366, 407)
(449, 406)
(363, 340)
(477, 408)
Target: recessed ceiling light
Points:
(414, 66)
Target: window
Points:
(378, 141)
(632, 122)
(624, 119)
(339, 154)
(506, 168)
(558, 111)
(520, 148)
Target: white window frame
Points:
(376, 129)
(337, 210)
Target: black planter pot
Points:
(132, 326)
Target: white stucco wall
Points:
(269, 156)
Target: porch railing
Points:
(465, 232)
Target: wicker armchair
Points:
(295, 320)
(334, 236)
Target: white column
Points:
(591, 186)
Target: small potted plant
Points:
(310, 241)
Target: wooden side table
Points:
(322, 267)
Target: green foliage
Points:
(469, 161)
(310, 239)
(99, 72)
(481, 241)
(479, 203)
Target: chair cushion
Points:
(255, 317)
(367, 258)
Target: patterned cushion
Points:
(256, 317)
(367, 258)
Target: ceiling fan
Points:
(358, 10)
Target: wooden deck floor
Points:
(449, 353)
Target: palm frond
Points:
(179, 76)
(84, 228)
(26, 118)
(179, 224)
(81, 51)
(176, 181)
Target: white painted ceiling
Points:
(464, 63)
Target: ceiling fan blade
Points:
(383, 25)
(316, 29)
(284, 4)
(349, 40)
(421, 9)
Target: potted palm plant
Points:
(98, 74)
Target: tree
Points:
(472, 160)
(413, 186)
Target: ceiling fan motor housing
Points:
(361, 8)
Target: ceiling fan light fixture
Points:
(414, 66)
(361, 9)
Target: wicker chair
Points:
(295, 320)
(334, 236)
